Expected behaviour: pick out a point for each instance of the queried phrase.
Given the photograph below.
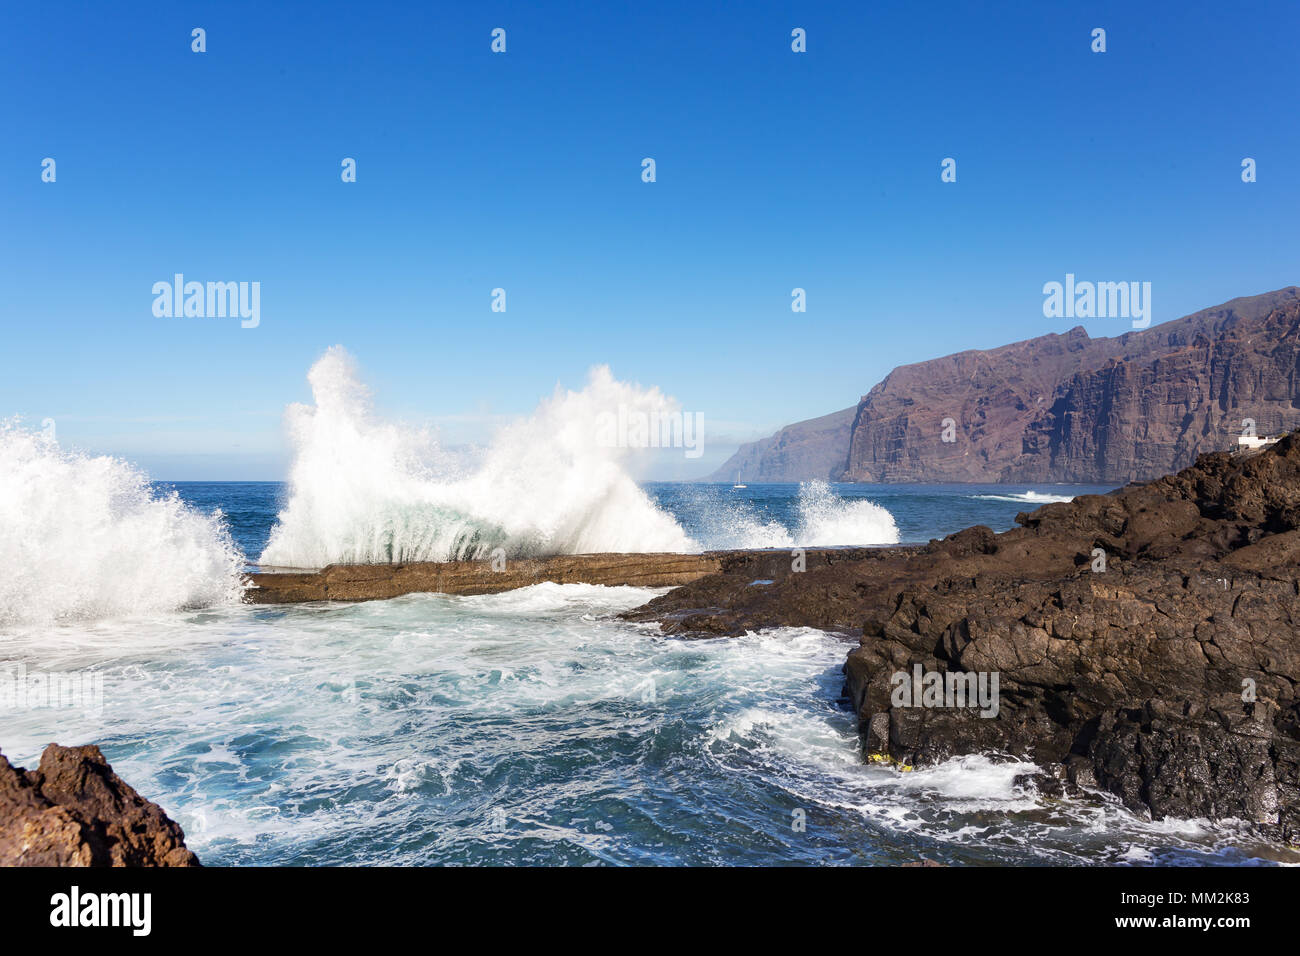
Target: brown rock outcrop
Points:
(73, 810)
(369, 582)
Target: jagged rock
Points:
(1169, 678)
(73, 810)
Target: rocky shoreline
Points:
(1144, 642)
(73, 810)
(1141, 643)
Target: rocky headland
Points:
(800, 452)
(1059, 407)
(73, 810)
(1144, 641)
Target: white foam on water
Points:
(85, 537)
(736, 524)
(974, 778)
(369, 492)
(1029, 497)
(392, 731)
(365, 491)
(556, 599)
(824, 519)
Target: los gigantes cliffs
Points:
(1059, 407)
(817, 448)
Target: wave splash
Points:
(1029, 497)
(86, 537)
(822, 519)
(363, 491)
(825, 519)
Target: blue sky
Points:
(522, 170)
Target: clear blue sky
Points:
(522, 170)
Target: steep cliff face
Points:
(1058, 407)
(1073, 408)
(817, 448)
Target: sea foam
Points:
(1029, 497)
(85, 537)
(366, 491)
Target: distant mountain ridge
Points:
(1059, 407)
(816, 448)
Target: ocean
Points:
(720, 516)
(531, 727)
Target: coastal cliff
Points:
(1061, 407)
(809, 450)
(1144, 642)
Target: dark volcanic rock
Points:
(74, 811)
(1168, 678)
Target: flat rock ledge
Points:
(73, 810)
(369, 582)
(1146, 642)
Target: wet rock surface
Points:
(370, 582)
(1145, 642)
(73, 810)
